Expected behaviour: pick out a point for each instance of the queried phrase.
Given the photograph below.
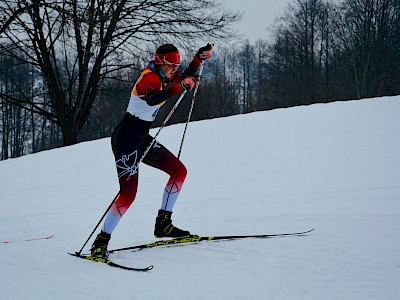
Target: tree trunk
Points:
(69, 133)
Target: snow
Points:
(332, 166)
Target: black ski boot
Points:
(99, 247)
(164, 227)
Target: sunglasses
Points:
(165, 62)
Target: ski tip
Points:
(305, 232)
(110, 263)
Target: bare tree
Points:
(370, 41)
(10, 11)
(300, 54)
(246, 60)
(77, 43)
(15, 128)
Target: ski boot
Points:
(99, 248)
(164, 227)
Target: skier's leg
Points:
(161, 158)
(127, 143)
(126, 197)
(122, 203)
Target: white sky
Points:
(259, 15)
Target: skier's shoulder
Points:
(148, 82)
(150, 76)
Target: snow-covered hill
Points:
(335, 167)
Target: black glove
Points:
(204, 52)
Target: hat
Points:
(167, 54)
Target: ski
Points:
(110, 263)
(197, 239)
(29, 240)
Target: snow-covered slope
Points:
(335, 167)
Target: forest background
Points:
(67, 66)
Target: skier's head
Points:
(167, 54)
(167, 57)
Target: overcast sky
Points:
(259, 15)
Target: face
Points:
(168, 70)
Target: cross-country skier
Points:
(158, 82)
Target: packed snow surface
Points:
(335, 167)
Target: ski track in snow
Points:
(332, 166)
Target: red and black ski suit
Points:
(131, 138)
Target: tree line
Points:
(319, 51)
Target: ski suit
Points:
(131, 138)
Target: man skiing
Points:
(158, 82)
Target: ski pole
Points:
(192, 105)
(137, 165)
(191, 109)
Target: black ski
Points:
(110, 263)
(197, 239)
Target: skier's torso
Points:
(138, 106)
(150, 92)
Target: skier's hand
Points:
(189, 82)
(204, 52)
